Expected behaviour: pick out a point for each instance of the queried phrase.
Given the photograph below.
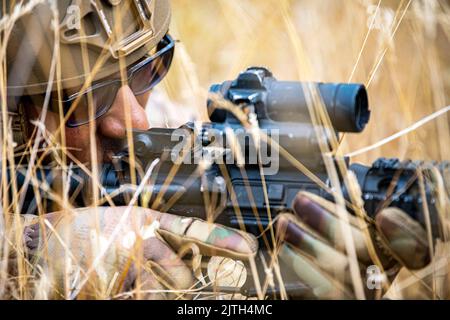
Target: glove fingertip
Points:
(405, 238)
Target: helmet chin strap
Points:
(19, 123)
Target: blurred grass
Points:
(404, 62)
(411, 80)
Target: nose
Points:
(114, 123)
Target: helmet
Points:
(89, 37)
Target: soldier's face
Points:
(96, 141)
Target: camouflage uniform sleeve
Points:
(212, 239)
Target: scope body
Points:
(291, 102)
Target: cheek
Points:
(79, 144)
(77, 137)
(51, 120)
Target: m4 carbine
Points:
(232, 171)
(226, 171)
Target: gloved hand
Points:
(77, 255)
(315, 246)
(431, 282)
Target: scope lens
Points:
(347, 105)
(362, 113)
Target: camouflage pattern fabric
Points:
(313, 245)
(431, 282)
(81, 257)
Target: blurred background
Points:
(398, 48)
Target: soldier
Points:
(79, 74)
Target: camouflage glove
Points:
(314, 247)
(431, 282)
(102, 252)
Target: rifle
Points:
(231, 170)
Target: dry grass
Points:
(403, 60)
(407, 72)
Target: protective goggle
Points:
(141, 77)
